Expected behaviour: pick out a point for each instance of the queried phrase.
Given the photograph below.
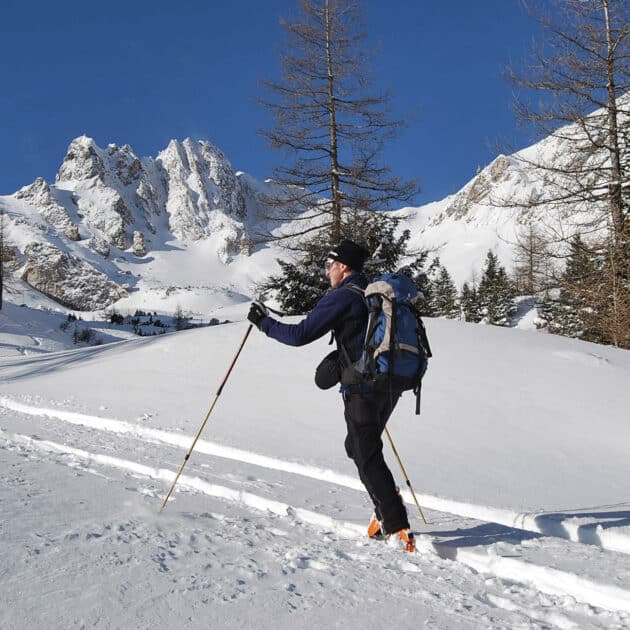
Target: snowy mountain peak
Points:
(202, 188)
(480, 189)
(108, 204)
(83, 161)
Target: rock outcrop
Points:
(202, 189)
(139, 245)
(40, 195)
(67, 279)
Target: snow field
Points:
(576, 527)
(268, 518)
(503, 559)
(215, 567)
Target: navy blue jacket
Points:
(341, 310)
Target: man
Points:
(367, 406)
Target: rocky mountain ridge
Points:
(111, 203)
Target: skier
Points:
(367, 406)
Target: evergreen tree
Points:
(572, 311)
(444, 295)
(423, 281)
(179, 320)
(300, 284)
(302, 281)
(377, 231)
(506, 303)
(495, 294)
(546, 310)
(423, 277)
(469, 303)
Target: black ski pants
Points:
(366, 416)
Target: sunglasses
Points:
(329, 263)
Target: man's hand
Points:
(257, 312)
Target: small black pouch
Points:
(353, 372)
(328, 372)
(352, 375)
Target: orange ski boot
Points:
(408, 539)
(374, 529)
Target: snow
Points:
(519, 461)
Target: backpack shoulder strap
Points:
(371, 325)
(422, 332)
(355, 288)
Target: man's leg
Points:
(366, 416)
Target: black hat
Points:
(349, 253)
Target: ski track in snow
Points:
(209, 559)
(545, 579)
(571, 528)
(485, 561)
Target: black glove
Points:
(257, 312)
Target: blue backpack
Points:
(396, 348)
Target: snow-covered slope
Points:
(519, 459)
(529, 187)
(462, 228)
(489, 213)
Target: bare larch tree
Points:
(532, 269)
(330, 124)
(582, 69)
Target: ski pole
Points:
(413, 494)
(214, 402)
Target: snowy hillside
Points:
(519, 459)
(486, 214)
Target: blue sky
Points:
(141, 73)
